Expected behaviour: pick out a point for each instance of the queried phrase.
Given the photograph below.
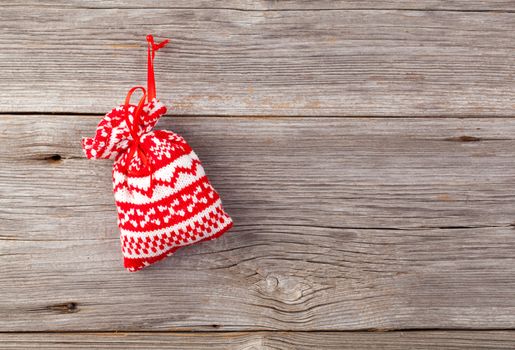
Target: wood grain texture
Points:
(277, 5)
(342, 58)
(341, 224)
(440, 340)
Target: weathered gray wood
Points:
(340, 224)
(246, 5)
(346, 58)
(440, 340)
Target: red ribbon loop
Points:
(152, 48)
(134, 126)
(136, 138)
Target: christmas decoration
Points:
(162, 194)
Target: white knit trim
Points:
(123, 195)
(164, 174)
(157, 105)
(114, 139)
(151, 254)
(211, 209)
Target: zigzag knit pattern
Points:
(172, 206)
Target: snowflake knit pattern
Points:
(163, 197)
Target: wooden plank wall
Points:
(365, 150)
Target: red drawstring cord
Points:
(152, 48)
(134, 130)
(150, 93)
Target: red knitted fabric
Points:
(162, 194)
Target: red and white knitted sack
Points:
(162, 194)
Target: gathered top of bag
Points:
(125, 124)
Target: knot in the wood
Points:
(64, 308)
(286, 289)
(464, 138)
(53, 158)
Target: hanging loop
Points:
(151, 52)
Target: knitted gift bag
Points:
(162, 194)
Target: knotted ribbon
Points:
(148, 95)
(134, 126)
